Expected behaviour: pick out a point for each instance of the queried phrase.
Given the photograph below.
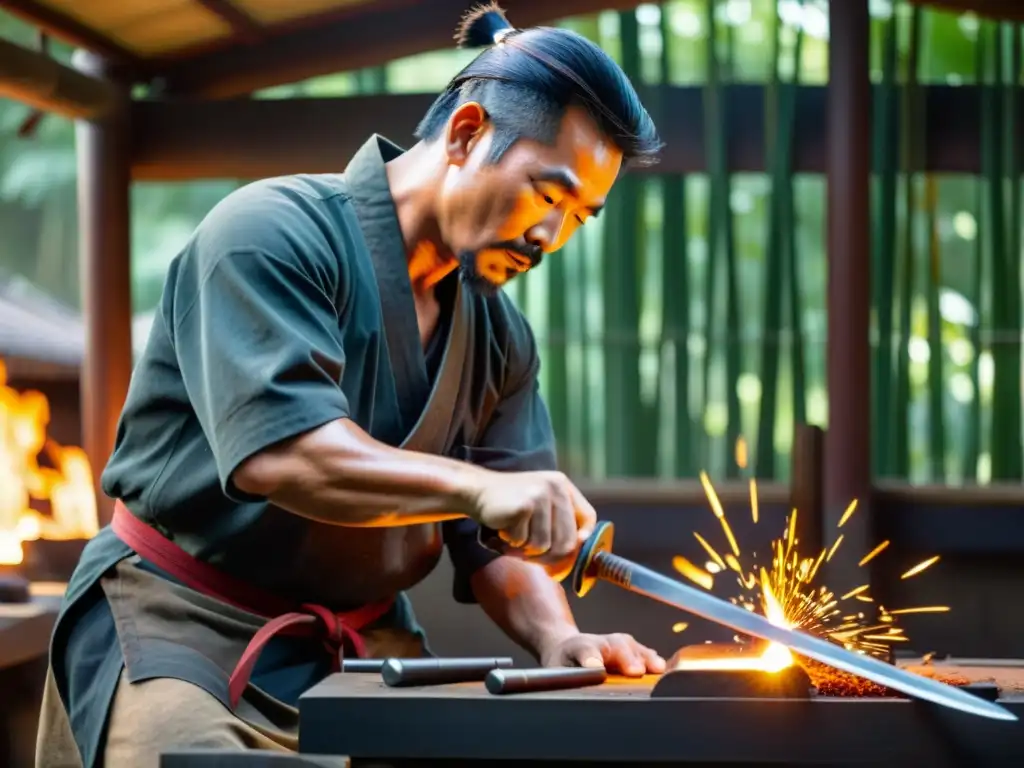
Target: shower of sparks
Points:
(810, 607)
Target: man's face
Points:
(499, 219)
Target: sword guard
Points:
(584, 572)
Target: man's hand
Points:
(542, 514)
(619, 654)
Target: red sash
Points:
(284, 617)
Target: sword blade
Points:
(644, 581)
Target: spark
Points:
(694, 573)
(851, 619)
(873, 553)
(716, 507)
(921, 609)
(741, 453)
(711, 551)
(920, 567)
(847, 514)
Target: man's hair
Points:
(526, 79)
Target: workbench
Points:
(617, 723)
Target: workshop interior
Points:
(779, 376)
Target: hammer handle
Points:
(505, 681)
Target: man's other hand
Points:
(619, 654)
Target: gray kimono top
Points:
(291, 307)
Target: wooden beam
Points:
(71, 31)
(244, 26)
(848, 355)
(248, 139)
(104, 220)
(375, 35)
(37, 80)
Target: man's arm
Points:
(520, 597)
(527, 604)
(339, 475)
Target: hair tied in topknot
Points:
(482, 26)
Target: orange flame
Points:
(774, 657)
(67, 485)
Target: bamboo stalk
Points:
(676, 300)
(780, 157)
(936, 380)
(1012, 282)
(713, 129)
(885, 151)
(910, 130)
(624, 411)
(972, 448)
(993, 126)
(583, 395)
(721, 241)
(556, 359)
(733, 327)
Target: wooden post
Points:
(848, 439)
(807, 487)
(104, 171)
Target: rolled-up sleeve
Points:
(257, 334)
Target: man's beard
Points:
(474, 279)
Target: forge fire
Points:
(788, 595)
(46, 490)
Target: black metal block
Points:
(789, 683)
(741, 674)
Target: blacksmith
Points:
(335, 389)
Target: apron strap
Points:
(335, 629)
(306, 620)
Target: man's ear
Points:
(464, 128)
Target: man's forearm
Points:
(339, 475)
(526, 603)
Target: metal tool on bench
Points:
(595, 562)
(398, 673)
(505, 681)
(376, 666)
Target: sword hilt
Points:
(596, 561)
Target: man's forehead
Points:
(588, 149)
(598, 160)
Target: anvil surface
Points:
(357, 715)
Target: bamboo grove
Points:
(666, 336)
(693, 310)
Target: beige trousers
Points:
(152, 717)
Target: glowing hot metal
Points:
(596, 562)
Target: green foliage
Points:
(695, 310)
